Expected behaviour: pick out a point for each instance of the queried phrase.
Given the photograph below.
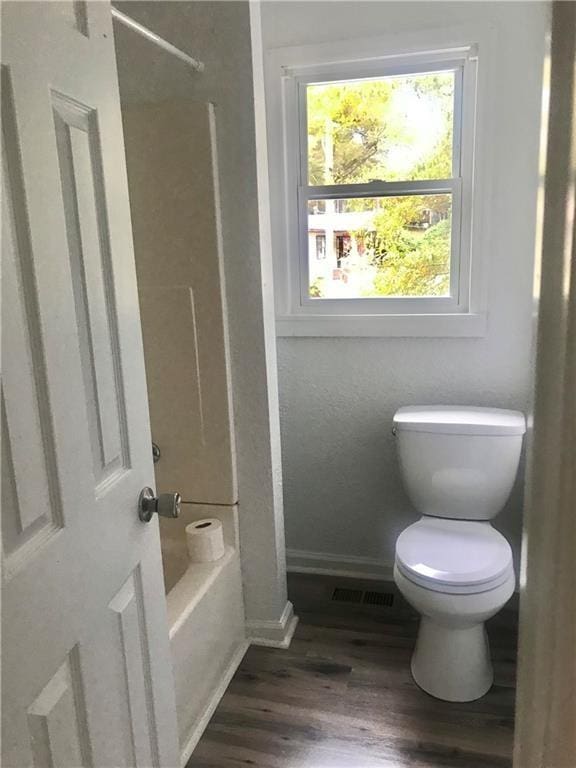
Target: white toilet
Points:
(459, 466)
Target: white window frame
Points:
(289, 71)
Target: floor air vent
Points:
(379, 598)
(368, 597)
(343, 595)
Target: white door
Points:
(86, 674)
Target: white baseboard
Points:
(274, 634)
(327, 564)
(200, 725)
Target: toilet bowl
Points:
(456, 574)
(452, 566)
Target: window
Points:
(365, 138)
(321, 246)
(378, 179)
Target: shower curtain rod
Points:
(153, 37)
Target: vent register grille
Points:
(369, 597)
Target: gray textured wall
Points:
(342, 489)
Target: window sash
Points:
(381, 72)
(392, 304)
(306, 192)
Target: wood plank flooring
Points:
(342, 696)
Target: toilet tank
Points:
(459, 462)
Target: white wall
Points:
(342, 491)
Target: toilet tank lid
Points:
(459, 420)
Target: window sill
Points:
(465, 325)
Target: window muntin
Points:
(382, 144)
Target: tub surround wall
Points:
(344, 501)
(172, 168)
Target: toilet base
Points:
(452, 663)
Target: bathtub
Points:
(206, 620)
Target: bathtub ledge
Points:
(191, 588)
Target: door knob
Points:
(166, 505)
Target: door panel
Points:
(132, 644)
(83, 199)
(30, 490)
(87, 674)
(57, 719)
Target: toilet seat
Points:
(454, 556)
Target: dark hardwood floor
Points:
(342, 695)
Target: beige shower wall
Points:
(170, 150)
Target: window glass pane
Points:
(389, 129)
(375, 247)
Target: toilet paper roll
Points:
(205, 539)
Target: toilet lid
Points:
(455, 553)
